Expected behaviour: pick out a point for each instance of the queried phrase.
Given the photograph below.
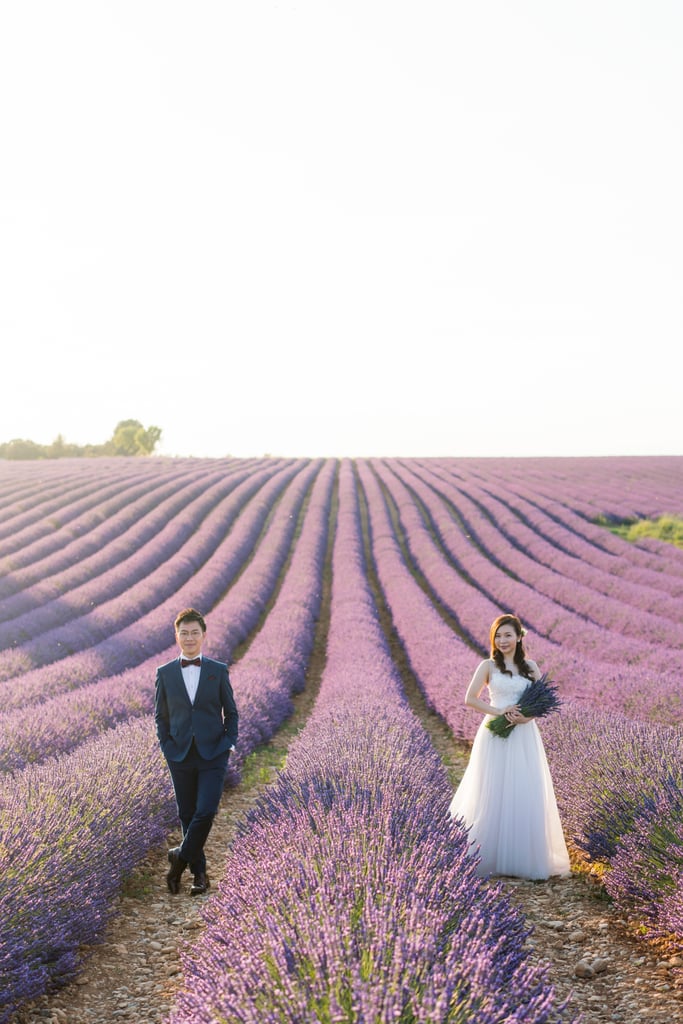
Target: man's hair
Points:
(190, 615)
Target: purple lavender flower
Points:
(538, 700)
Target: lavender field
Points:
(355, 900)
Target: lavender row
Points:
(444, 675)
(619, 787)
(110, 618)
(644, 488)
(46, 547)
(561, 520)
(441, 659)
(108, 559)
(19, 492)
(68, 719)
(274, 667)
(470, 585)
(535, 548)
(149, 635)
(27, 499)
(610, 659)
(147, 576)
(348, 895)
(78, 560)
(573, 515)
(36, 529)
(562, 511)
(635, 769)
(41, 934)
(482, 514)
(70, 834)
(84, 536)
(634, 772)
(618, 487)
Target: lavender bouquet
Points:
(538, 700)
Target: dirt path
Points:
(575, 928)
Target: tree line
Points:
(129, 438)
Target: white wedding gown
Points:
(506, 796)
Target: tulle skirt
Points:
(506, 798)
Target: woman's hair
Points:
(520, 654)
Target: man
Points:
(196, 722)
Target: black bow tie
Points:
(184, 662)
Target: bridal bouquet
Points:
(538, 700)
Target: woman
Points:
(506, 796)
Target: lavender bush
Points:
(608, 769)
(220, 561)
(53, 803)
(106, 623)
(646, 875)
(97, 555)
(591, 662)
(69, 718)
(619, 786)
(348, 895)
(70, 834)
(75, 577)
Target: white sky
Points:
(344, 228)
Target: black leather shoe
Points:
(178, 865)
(200, 884)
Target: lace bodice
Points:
(504, 689)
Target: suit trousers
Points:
(198, 785)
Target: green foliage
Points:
(21, 449)
(668, 528)
(129, 438)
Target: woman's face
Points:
(506, 640)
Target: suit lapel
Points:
(203, 673)
(180, 682)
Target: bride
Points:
(506, 795)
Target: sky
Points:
(345, 228)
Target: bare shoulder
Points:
(484, 670)
(535, 670)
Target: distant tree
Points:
(131, 438)
(93, 451)
(21, 449)
(60, 449)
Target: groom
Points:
(196, 721)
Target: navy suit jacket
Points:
(211, 721)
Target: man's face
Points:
(190, 637)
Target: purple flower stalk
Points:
(537, 701)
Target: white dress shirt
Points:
(191, 680)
